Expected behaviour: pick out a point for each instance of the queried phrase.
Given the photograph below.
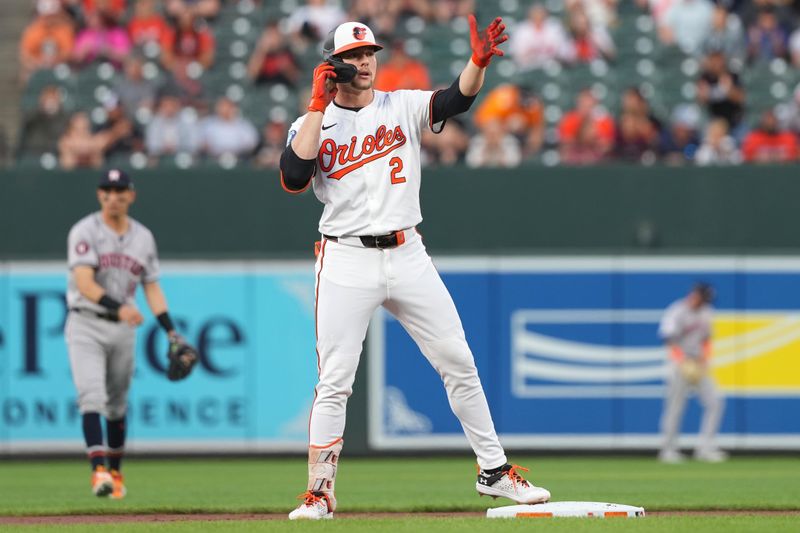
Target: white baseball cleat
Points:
(672, 457)
(508, 483)
(711, 456)
(315, 506)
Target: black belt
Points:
(391, 240)
(111, 317)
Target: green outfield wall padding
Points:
(210, 212)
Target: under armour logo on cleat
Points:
(329, 127)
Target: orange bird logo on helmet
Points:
(359, 32)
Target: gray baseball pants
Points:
(678, 390)
(101, 358)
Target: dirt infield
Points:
(155, 517)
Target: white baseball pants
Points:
(351, 283)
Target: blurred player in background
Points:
(110, 254)
(686, 330)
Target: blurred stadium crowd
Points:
(189, 82)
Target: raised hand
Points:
(484, 42)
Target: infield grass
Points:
(40, 487)
(671, 524)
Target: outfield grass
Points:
(37, 487)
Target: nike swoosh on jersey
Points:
(329, 127)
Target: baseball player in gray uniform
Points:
(109, 255)
(686, 329)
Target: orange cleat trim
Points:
(119, 491)
(309, 498)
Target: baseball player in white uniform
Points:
(686, 330)
(361, 149)
(109, 255)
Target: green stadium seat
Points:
(40, 79)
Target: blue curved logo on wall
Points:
(569, 355)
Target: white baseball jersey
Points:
(368, 164)
(368, 176)
(688, 328)
(121, 262)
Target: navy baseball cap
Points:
(705, 290)
(115, 179)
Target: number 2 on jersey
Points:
(397, 167)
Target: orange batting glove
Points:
(484, 43)
(676, 353)
(322, 92)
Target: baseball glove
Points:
(182, 358)
(691, 370)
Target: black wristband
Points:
(109, 303)
(166, 322)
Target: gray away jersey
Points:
(121, 262)
(688, 328)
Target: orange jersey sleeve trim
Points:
(298, 191)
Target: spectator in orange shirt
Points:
(589, 122)
(768, 144)
(401, 71)
(587, 148)
(519, 110)
(47, 41)
(147, 24)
